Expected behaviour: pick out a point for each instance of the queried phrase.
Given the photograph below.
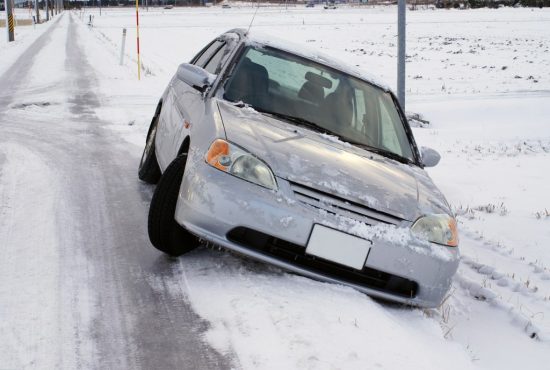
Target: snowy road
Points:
(74, 216)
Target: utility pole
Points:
(401, 40)
(37, 11)
(9, 19)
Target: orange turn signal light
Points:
(218, 149)
(453, 241)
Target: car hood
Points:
(329, 165)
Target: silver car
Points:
(292, 158)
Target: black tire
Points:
(164, 232)
(149, 170)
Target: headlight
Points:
(440, 229)
(238, 162)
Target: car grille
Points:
(338, 206)
(294, 254)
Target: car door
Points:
(169, 129)
(189, 104)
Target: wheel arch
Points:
(157, 112)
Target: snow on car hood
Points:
(325, 163)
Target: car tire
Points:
(164, 232)
(149, 170)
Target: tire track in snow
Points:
(480, 311)
(509, 288)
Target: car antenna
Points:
(254, 16)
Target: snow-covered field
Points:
(482, 79)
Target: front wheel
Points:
(164, 232)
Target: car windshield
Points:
(304, 92)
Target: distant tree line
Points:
(107, 3)
(474, 4)
(438, 3)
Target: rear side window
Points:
(207, 54)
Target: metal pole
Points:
(9, 19)
(37, 11)
(401, 40)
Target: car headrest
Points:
(318, 80)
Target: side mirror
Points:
(430, 157)
(195, 77)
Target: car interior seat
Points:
(338, 109)
(249, 84)
(312, 93)
(313, 90)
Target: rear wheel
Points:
(164, 232)
(149, 170)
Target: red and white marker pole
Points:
(137, 39)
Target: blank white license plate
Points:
(339, 247)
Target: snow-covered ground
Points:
(24, 36)
(482, 79)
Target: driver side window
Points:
(214, 63)
(208, 53)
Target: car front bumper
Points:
(214, 205)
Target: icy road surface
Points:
(81, 287)
(75, 257)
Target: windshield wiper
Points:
(383, 152)
(296, 120)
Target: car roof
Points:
(254, 37)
